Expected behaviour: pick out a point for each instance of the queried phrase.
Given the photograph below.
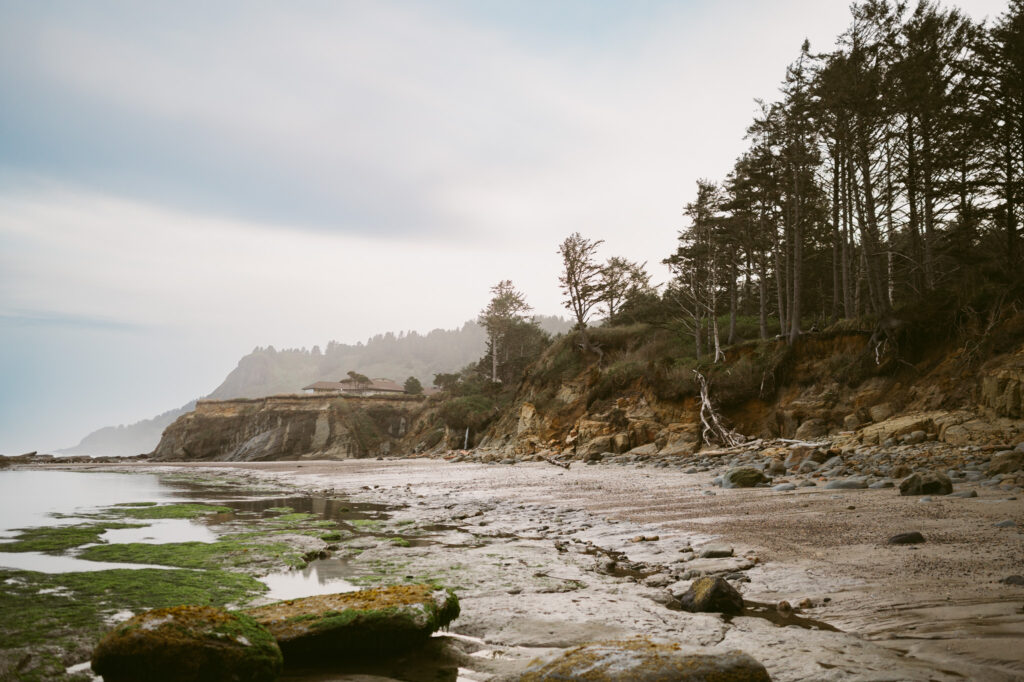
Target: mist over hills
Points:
(268, 371)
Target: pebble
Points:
(910, 538)
(1008, 523)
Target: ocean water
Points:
(34, 498)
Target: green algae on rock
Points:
(358, 624)
(56, 539)
(52, 621)
(641, 660)
(188, 644)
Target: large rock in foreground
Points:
(358, 624)
(188, 644)
(641, 660)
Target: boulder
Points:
(851, 483)
(880, 412)
(711, 595)
(1006, 462)
(373, 622)
(743, 477)
(912, 538)
(851, 422)
(811, 429)
(927, 483)
(641, 660)
(188, 644)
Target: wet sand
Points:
(528, 542)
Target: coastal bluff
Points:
(289, 427)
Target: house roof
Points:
(324, 386)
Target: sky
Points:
(183, 181)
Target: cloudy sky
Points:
(182, 181)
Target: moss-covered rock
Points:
(188, 644)
(711, 595)
(356, 624)
(641, 660)
(743, 477)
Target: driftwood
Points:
(564, 465)
(712, 428)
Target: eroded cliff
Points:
(289, 427)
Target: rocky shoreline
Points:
(545, 559)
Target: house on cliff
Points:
(352, 387)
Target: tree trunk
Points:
(836, 237)
(912, 200)
(797, 265)
(929, 209)
(732, 303)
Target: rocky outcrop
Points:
(711, 595)
(289, 427)
(188, 644)
(641, 660)
(366, 623)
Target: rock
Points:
(188, 644)
(715, 551)
(369, 622)
(593, 457)
(784, 487)
(851, 422)
(884, 483)
(743, 477)
(915, 437)
(851, 483)
(880, 412)
(1008, 523)
(901, 471)
(649, 449)
(832, 462)
(777, 467)
(711, 595)
(1005, 462)
(784, 608)
(807, 466)
(912, 538)
(927, 483)
(1020, 447)
(1013, 580)
(811, 429)
(640, 660)
(964, 493)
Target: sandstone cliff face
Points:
(826, 385)
(288, 427)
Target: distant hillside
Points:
(267, 371)
(125, 441)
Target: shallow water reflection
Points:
(324, 576)
(160, 531)
(50, 563)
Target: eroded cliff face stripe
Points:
(289, 427)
